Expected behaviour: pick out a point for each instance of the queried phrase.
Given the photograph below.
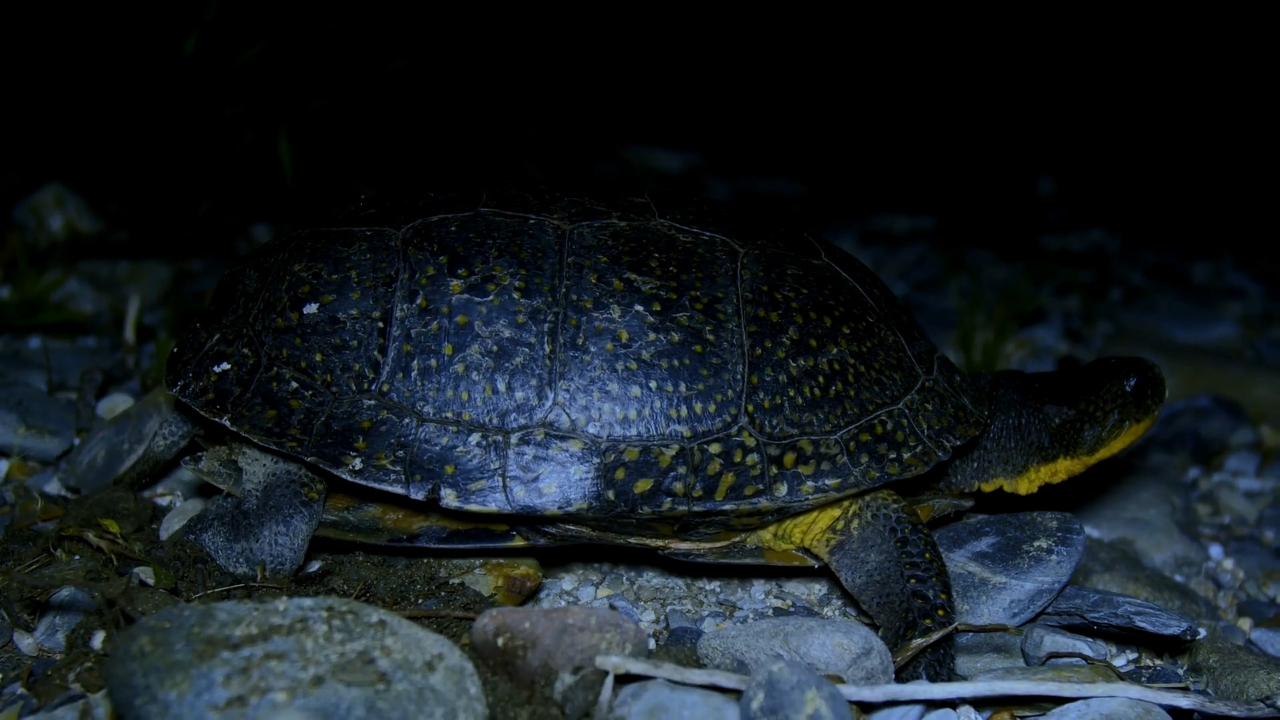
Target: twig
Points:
(948, 691)
(456, 614)
(236, 587)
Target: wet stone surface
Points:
(650, 699)
(1042, 644)
(321, 656)
(555, 648)
(1089, 609)
(840, 648)
(791, 689)
(1108, 709)
(1006, 568)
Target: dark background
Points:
(182, 127)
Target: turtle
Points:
(532, 368)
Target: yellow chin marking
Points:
(1063, 468)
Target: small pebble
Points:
(662, 700)
(843, 648)
(1107, 709)
(786, 689)
(113, 404)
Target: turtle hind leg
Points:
(885, 557)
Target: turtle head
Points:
(1043, 428)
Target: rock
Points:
(34, 424)
(978, 652)
(139, 601)
(1194, 431)
(1006, 568)
(1107, 709)
(683, 636)
(305, 657)
(180, 516)
(62, 612)
(1111, 567)
(113, 404)
(787, 689)
(556, 648)
(85, 707)
(900, 712)
(922, 712)
(843, 648)
(1144, 511)
(130, 448)
(1154, 675)
(1266, 638)
(1088, 609)
(1141, 512)
(662, 700)
(1042, 645)
(529, 643)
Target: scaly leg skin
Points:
(885, 557)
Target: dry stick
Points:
(918, 692)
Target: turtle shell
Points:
(550, 356)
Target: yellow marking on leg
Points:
(810, 531)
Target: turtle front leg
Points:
(886, 558)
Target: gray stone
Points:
(310, 657)
(978, 652)
(54, 364)
(683, 636)
(1267, 639)
(533, 644)
(89, 707)
(34, 424)
(1254, 558)
(62, 612)
(899, 712)
(1089, 609)
(1006, 568)
(787, 689)
(1194, 431)
(556, 648)
(1117, 569)
(1145, 509)
(1107, 709)
(662, 700)
(843, 648)
(1042, 644)
(130, 448)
